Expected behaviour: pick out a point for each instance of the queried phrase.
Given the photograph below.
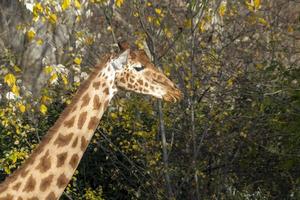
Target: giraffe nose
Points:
(173, 95)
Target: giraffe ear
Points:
(121, 61)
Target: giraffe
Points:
(48, 170)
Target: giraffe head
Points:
(135, 72)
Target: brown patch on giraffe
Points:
(63, 140)
(62, 181)
(61, 158)
(7, 197)
(81, 120)
(130, 86)
(84, 143)
(74, 160)
(106, 91)
(140, 81)
(33, 198)
(45, 183)
(20, 198)
(30, 184)
(74, 108)
(69, 123)
(45, 163)
(16, 186)
(96, 102)
(146, 84)
(51, 196)
(74, 144)
(3, 188)
(93, 123)
(24, 173)
(85, 100)
(151, 87)
(122, 80)
(96, 85)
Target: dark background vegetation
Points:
(234, 135)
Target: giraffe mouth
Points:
(172, 95)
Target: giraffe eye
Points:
(139, 68)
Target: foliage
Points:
(235, 134)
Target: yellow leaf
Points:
(77, 4)
(65, 80)
(256, 4)
(43, 109)
(230, 82)
(263, 21)
(158, 11)
(17, 69)
(119, 3)
(16, 90)
(253, 5)
(113, 115)
(45, 99)
(53, 18)
(39, 41)
(53, 78)
(168, 33)
(48, 69)
(10, 79)
(202, 26)
(30, 35)
(65, 5)
(222, 9)
(136, 14)
(150, 19)
(77, 61)
(290, 29)
(38, 7)
(22, 107)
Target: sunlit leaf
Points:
(53, 18)
(53, 78)
(263, 21)
(119, 3)
(77, 60)
(77, 4)
(16, 90)
(48, 69)
(16, 68)
(64, 78)
(39, 41)
(30, 34)
(65, 4)
(158, 11)
(222, 9)
(10, 79)
(22, 107)
(43, 109)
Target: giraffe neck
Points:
(51, 166)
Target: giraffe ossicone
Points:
(48, 170)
